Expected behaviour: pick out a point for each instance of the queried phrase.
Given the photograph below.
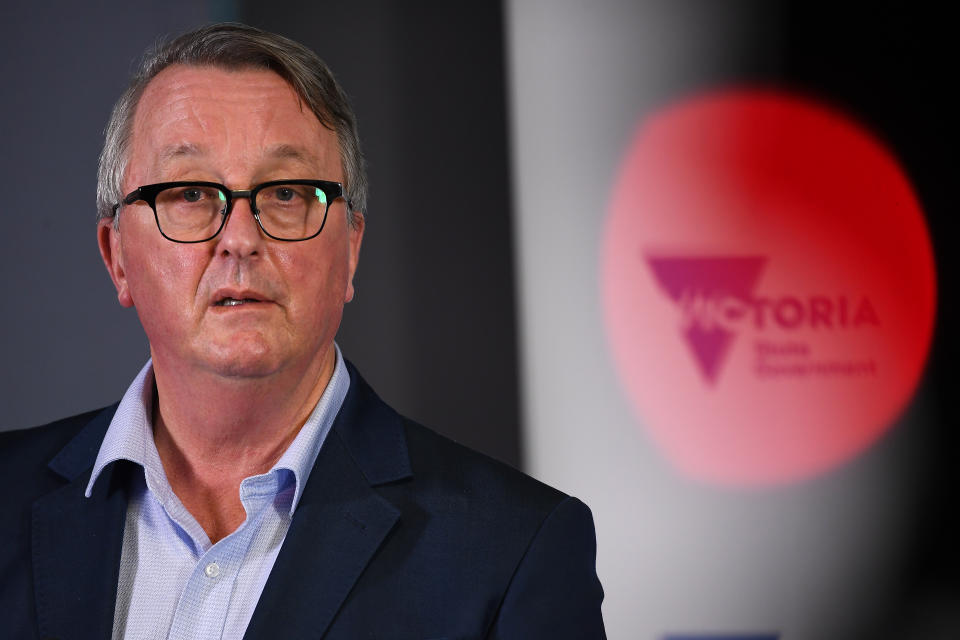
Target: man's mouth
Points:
(233, 302)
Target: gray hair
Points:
(237, 46)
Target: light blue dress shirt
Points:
(173, 582)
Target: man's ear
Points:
(355, 238)
(108, 237)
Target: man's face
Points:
(239, 128)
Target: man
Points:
(249, 483)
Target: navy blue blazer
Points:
(399, 534)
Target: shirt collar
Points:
(130, 434)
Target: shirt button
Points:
(212, 570)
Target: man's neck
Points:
(212, 432)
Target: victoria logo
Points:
(716, 299)
(767, 283)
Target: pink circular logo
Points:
(768, 286)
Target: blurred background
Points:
(530, 163)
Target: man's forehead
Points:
(180, 92)
(190, 113)
(281, 151)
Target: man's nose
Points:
(241, 235)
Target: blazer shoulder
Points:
(450, 467)
(27, 451)
(399, 455)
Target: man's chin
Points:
(241, 370)
(243, 359)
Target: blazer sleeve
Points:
(555, 593)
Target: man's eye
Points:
(192, 195)
(285, 194)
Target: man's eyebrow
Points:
(289, 151)
(174, 151)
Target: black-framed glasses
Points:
(191, 211)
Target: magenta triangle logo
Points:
(714, 293)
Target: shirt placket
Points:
(204, 604)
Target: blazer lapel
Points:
(340, 521)
(76, 542)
